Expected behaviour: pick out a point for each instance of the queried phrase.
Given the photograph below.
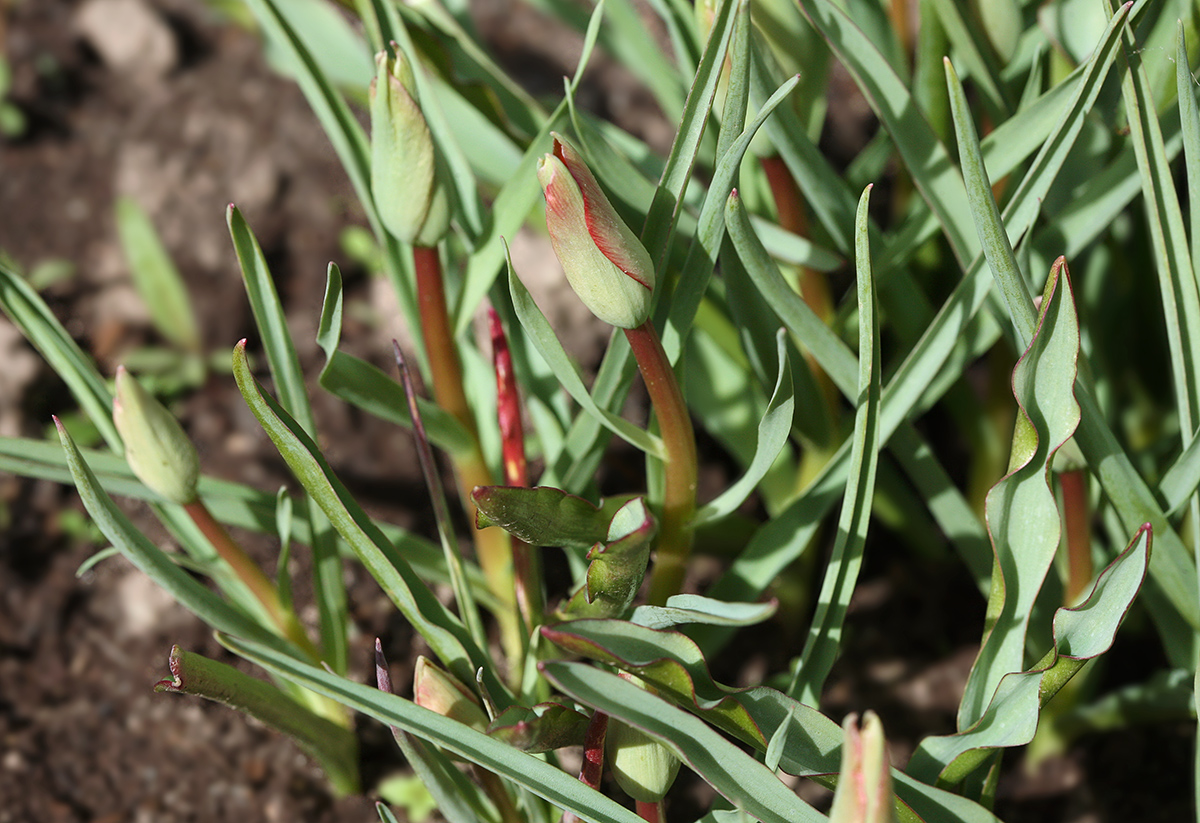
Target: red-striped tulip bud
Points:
(411, 201)
(606, 264)
(864, 790)
(156, 447)
(439, 691)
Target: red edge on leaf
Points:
(174, 683)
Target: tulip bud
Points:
(606, 264)
(439, 691)
(643, 767)
(158, 451)
(864, 789)
(411, 201)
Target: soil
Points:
(187, 122)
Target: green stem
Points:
(253, 577)
(680, 470)
(492, 546)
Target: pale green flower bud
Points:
(439, 691)
(642, 767)
(412, 203)
(864, 789)
(606, 264)
(158, 451)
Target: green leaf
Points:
(281, 354)
(1023, 518)
(773, 432)
(542, 516)
(841, 573)
(617, 566)
(673, 664)
(693, 608)
(543, 728)
(538, 776)
(444, 633)
(1011, 716)
(543, 337)
(137, 548)
(334, 746)
(741, 779)
(29, 313)
(155, 276)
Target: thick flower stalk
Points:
(413, 202)
(611, 271)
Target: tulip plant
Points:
(860, 336)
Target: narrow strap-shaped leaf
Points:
(925, 157)
(1011, 717)
(668, 195)
(156, 277)
(289, 382)
(773, 432)
(1176, 277)
(741, 779)
(444, 633)
(334, 746)
(1022, 515)
(540, 777)
(674, 665)
(26, 309)
(841, 573)
(978, 55)
(1189, 118)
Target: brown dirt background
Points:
(186, 131)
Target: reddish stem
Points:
(680, 470)
(651, 812)
(593, 758)
(1077, 524)
(527, 566)
(252, 576)
(491, 545)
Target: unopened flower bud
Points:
(606, 264)
(643, 767)
(439, 691)
(158, 451)
(864, 789)
(412, 203)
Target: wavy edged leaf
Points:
(443, 631)
(542, 728)
(538, 776)
(542, 516)
(617, 566)
(1011, 717)
(1022, 514)
(741, 779)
